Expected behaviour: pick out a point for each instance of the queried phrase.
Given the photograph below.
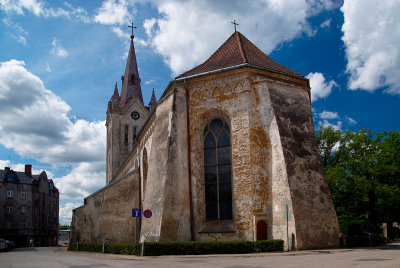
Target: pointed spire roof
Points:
(131, 80)
(238, 50)
(153, 99)
(116, 94)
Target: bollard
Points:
(143, 247)
(77, 246)
(104, 245)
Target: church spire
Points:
(153, 102)
(131, 80)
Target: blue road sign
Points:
(136, 212)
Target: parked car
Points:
(3, 245)
(10, 244)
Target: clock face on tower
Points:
(135, 115)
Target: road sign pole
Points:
(136, 230)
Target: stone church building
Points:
(228, 152)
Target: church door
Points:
(261, 230)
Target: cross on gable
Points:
(131, 26)
(234, 24)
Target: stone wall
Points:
(165, 179)
(313, 209)
(107, 213)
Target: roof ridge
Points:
(242, 53)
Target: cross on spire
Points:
(131, 26)
(234, 24)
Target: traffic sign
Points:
(136, 212)
(147, 213)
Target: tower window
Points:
(217, 171)
(126, 134)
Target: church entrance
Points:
(261, 230)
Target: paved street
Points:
(47, 257)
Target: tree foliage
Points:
(363, 174)
(64, 227)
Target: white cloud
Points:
(114, 12)
(371, 36)
(36, 124)
(148, 82)
(326, 24)
(84, 179)
(326, 123)
(18, 33)
(65, 212)
(185, 41)
(19, 6)
(351, 121)
(320, 88)
(35, 121)
(48, 69)
(328, 115)
(57, 49)
(41, 9)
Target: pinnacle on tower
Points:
(116, 94)
(153, 102)
(131, 81)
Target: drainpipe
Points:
(189, 162)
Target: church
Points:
(228, 152)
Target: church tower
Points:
(126, 115)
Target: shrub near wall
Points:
(182, 248)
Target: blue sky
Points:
(60, 61)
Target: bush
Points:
(182, 247)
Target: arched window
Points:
(217, 171)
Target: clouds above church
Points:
(36, 124)
(320, 87)
(187, 32)
(371, 36)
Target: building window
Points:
(9, 210)
(8, 225)
(23, 210)
(217, 171)
(23, 194)
(22, 225)
(126, 134)
(10, 193)
(11, 177)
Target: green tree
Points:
(363, 174)
(64, 227)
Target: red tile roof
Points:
(235, 51)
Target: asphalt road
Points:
(52, 257)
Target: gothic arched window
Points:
(217, 170)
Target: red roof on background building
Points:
(235, 51)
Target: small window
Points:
(126, 134)
(22, 225)
(8, 225)
(23, 210)
(9, 210)
(10, 193)
(23, 194)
